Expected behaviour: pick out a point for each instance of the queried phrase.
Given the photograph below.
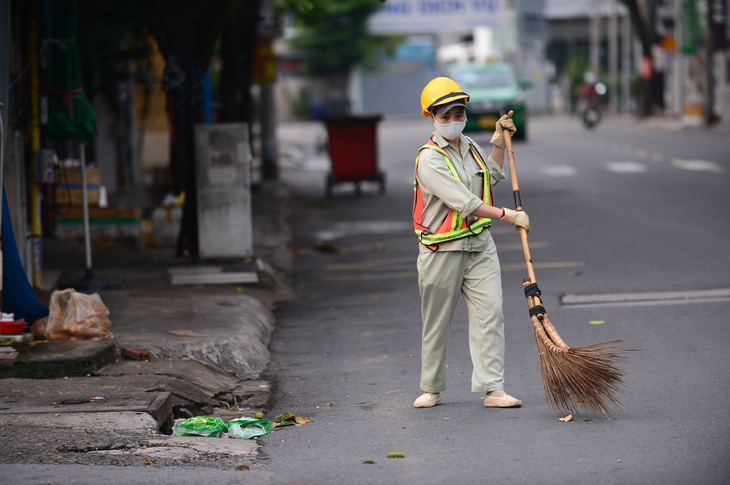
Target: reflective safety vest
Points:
(454, 226)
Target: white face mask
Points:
(450, 131)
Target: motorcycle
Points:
(589, 97)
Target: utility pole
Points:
(269, 146)
(595, 37)
(626, 43)
(613, 58)
(716, 20)
(679, 67)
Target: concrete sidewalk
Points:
(208, 346)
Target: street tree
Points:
(334, 36)
(642, 14)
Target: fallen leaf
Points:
(288, 419)
(147, 461)
(567, 418)
(186, 333)
(243, 468)
(596, 322)
(396, 454)
(376, 297)
(586, 419)
(370, 462)
(285, 417)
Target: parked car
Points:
(492, 87)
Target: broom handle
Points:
(518, 203)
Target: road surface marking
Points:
(626, 167)
(697, 165)
(342, 229)
(555, 265)
(515, 246)
(370, 264)
(647, 298)
(360, 277)
(414, 274)
(558, 171)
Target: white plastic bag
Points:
(77, 316)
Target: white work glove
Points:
(516, 218)
(506, 123)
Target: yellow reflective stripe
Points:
(487, 186)
(446, 158)
(475, 228)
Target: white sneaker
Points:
(427, 400)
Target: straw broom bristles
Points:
(580, 378)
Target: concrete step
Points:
(64, 358)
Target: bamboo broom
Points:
(576, 378)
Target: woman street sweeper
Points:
(452, 213)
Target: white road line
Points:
(558, 171)
(698, 165)
(647, 298)
(548, 265)
(626, 167)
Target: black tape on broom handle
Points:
(518, 201)
(515, 193)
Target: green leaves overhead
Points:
(334, 34)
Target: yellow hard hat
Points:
(440, 90)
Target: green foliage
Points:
(110, 34)
(334, 34)
(302, 6)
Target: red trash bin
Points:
(353, 149)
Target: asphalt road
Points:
(632, 209)
(635, 209)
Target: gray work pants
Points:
(442, 277)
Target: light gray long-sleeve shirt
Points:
(442, 191)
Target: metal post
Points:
(595, 37)
(36, 228)
(679, 71)
(626, 67)
(85, 202)
(613, 58)
(710, 67)
(268, 132)
(2, 151)
(21, 207)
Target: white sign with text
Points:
(431, 16)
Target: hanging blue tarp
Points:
(18, 296)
